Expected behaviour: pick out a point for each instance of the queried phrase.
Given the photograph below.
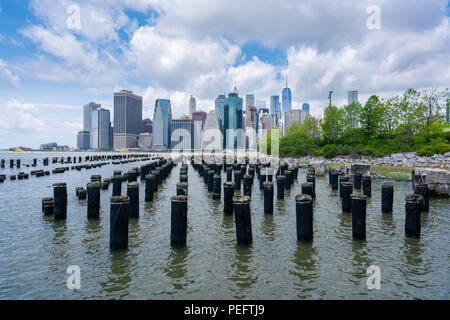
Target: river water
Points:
(35, 251)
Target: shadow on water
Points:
(93, 233)
(242, 275)
(176, 268)
(387, 222)
(119, 275)
(360, 262)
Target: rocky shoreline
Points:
(407, 159)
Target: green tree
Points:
(371, 115)
(351, 116)
(431, 104)
(408, 110)
(390, 109)
(332, 123)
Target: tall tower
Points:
(162, 124)
(192, 106)
(286, 98)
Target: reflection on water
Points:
(119, 274)
(177, 267)
(268, 227)
(304, 265)
(242, 273)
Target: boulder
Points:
(319, 167)
(438, 180)
(361, 168)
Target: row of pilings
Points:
(100, 160)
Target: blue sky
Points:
(172, 49)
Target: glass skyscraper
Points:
(232, 119)
(305, 107)
(286, 98)
(162, 122)
(274, 104)
(352, 96)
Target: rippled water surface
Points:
(35, 250)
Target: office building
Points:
(274, 104)
(192, 106)
(286, 98)
(305, 107)
(212, 138)
(103, 129)
(220, 108)
(145, 141)
(294, 116)
(182, 135)
(199, 116)
(233, 120)
(352, 96)
(162, 122)
(127, 119)
(147, 125)
(249, 102)
(89, 110)
(83, 140)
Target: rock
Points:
(361, 168)
(438, 180)
(319, 167)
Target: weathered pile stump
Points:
(422, 189)
(242, 218)
(178, 221)
(346, 191)
(60, 199)
(304, 217)
(359, 216)
(93, 200)
(307, 188)
(268, 197)
(413, 205)
(248, 185)
(217, 187)
(280, 187)
(228, 194)
(387, 197)
(119, 219)
(133, 194)
(367, 186)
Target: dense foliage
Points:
(414, 121)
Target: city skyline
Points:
(50, 66)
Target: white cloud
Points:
(6, 76)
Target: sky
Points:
(56, 56)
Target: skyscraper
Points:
(294, 116)
(286, 98)
(162, 122)
(249, 102)
(127, 119)
(182, 135)
(83, 140)
(192, 106)
(104, 125)
(232, 119)
(305, 107)
(352, 96)
(212, 138)
(220, 107)
(274, 104)
(147, 125)
(89, 110)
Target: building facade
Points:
(212, 138)
(147, 125)
(233, 120)
(145, 140)
(127, 119)
(182, 136)
(249, 102)
(162, 122)
(83, 138)
(305, 107)
(294, 116)
(352, 96)
(220, 108)
(286, 98)
(104, 128)
(275, 104)
(199, 116)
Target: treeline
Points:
(414, 121)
